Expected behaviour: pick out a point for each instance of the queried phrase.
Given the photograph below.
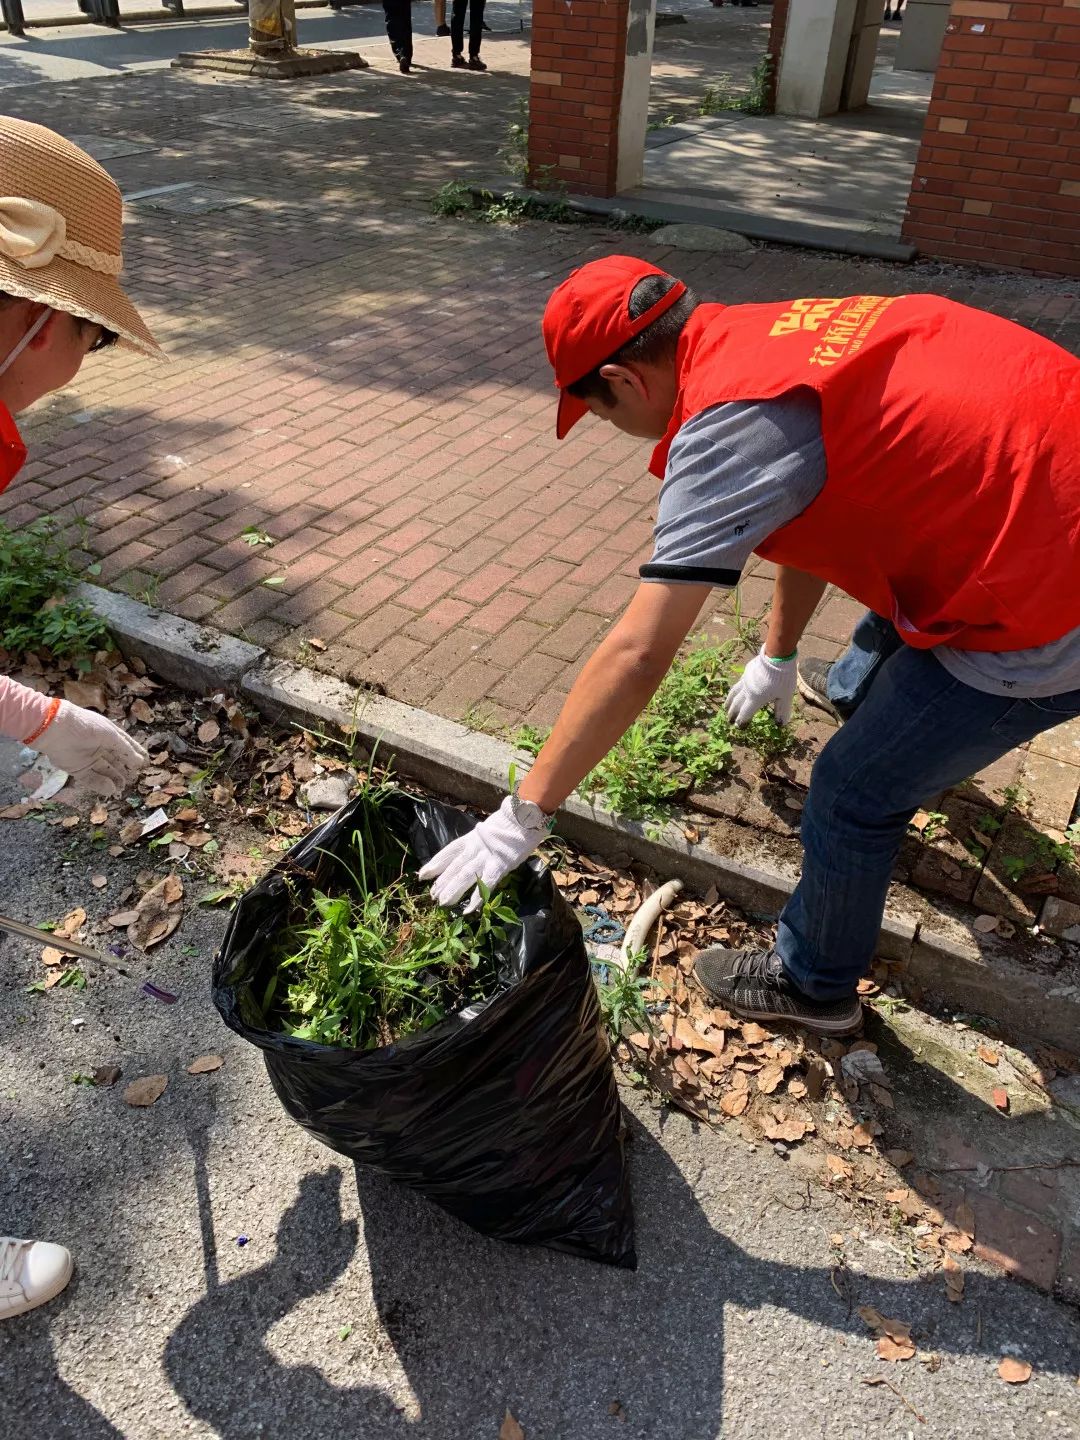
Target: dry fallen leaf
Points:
(895, 1329)
(889, 1349)
(71, 924)
(510, 1429)
(69, 822)
(99, 881)
(208, 731)
(769, 1079)
(140, 710)
(121, 919)
(51, 956)
(145, 1090)
(157, 916)
(1014, 1372)
(984, 924)
(204, 1064)
(787, 1130)
(735, 1103)
(99, 815)
(954, 1280)
(87, 693)
(957, 1242)
(839, 1167)
(986, 1055)
(106, 1074)
(753, 1034)
(964, 1218)
(899, 1158)
(316, 643)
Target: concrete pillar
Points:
(862, 52)
(589, 93)
(815, 58)
(923, 30)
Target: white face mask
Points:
(13, 355)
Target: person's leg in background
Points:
(441, 27)
(398, 14)
(476, 33)
(457, 34)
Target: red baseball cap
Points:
(588, 318)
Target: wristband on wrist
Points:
(781, 659)
(50, 716)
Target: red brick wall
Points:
(998, 175)
(575, 92)
(777, 31)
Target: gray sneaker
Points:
(812, 678)
(752, 983)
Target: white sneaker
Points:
(31, 1272)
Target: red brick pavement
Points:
(367, 386)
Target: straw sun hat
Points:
(61, 218)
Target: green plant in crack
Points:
(514, 151)
(721, 98)
(682, 741)
(1015, 867)
(454, 198)
(36, 610)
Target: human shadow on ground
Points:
(478, 1326)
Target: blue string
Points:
(604, 930)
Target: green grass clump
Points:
(681, 741)
(36, 612)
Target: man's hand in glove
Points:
(763, 682)
(487, 854)
(97, 754)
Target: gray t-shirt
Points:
(738, 472)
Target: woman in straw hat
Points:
(60, 224)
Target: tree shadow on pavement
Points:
(478, 1326)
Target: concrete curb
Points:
(942, 958)
(836, 238)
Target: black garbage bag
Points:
(506, 1112)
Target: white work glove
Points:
(763, 682)
(485, 856)
(97, 754)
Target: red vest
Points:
(952, 443)
(12, 449)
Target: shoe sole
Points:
(811, 696)
(839, 1026)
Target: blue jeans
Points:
(914, 731)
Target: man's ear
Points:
(626, 375)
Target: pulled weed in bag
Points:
(371, 958)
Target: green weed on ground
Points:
(36, 611)
(682, 741)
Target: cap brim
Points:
(571, 410)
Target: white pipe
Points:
(646, 917)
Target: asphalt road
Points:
(356, 1309)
